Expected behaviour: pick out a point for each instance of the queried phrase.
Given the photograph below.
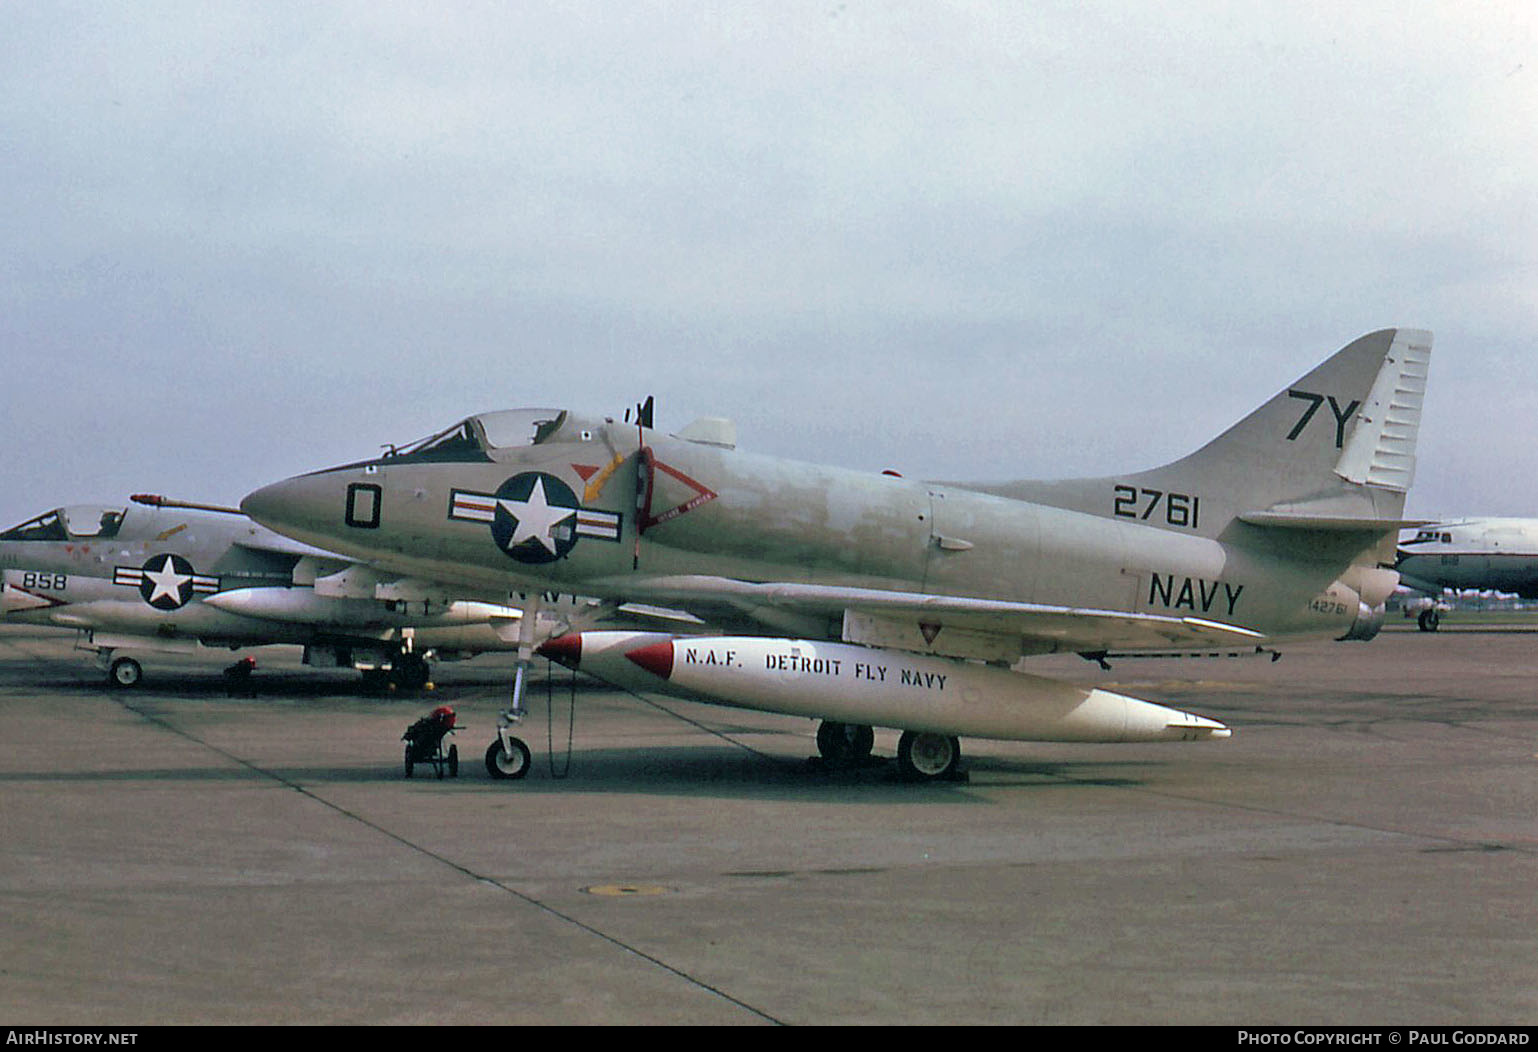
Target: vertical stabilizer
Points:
(1334, 450)
(1381, 451)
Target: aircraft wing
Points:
(261, 539)
(956, 625)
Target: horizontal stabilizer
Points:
(1304, 521)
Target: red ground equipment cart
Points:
(424, 743)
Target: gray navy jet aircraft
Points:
(870, 600)
(167, 576)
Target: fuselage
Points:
(170, 575)
(622, 517)
(1494, 554)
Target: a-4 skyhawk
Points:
(172, 577)
(877, 601)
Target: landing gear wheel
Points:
(453, 761)
(500, 765)
(1429, 620)
(410, 672)
(125, 673)
(844, 744)
(923, 756)
(410, 765)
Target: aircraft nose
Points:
(306, 507)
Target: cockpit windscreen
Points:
(79, 523)
(518, 427)
(477, 437)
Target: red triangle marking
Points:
(587, 471)
(704, 496)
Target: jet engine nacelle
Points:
(1366, 590)
(1369, 620)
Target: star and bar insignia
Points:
(534, 517)
(167, 582)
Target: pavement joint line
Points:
(451, 864)
(1460, 842)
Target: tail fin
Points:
(1335, 450)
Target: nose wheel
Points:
(508, 757)
(510, 761)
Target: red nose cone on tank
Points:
(565, 649)
(656, 659)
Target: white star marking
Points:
(536, 517)
(167, 581)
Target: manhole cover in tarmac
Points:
(626, 890)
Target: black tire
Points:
(923, 756)
(1429, 620)
(125, 673)
(843, 744)
(500, 765)
(410, 764)
(410, 672)
(453, 761)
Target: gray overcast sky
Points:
(976, 240)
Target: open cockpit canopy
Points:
(482, 435)
(82, 522)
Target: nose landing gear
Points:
(507, 757)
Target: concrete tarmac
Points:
(1364, 850)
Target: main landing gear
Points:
(408, 671)
(845, 744)
(922, 756)
(124, 672)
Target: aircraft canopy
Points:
(77, 523)
(484, 434)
